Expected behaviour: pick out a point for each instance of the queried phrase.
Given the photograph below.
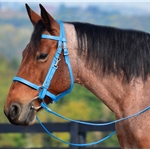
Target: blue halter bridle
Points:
(43, 89)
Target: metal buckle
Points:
(57, 61)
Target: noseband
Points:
(43, 89)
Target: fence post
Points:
(74, 129)
(82, 139)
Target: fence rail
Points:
(77, 131)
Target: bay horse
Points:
(112, 63)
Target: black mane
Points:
(113, 50)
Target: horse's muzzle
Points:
(19, 115)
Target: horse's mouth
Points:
(30, 119)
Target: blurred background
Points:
(15, 32)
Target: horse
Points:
(112, 63)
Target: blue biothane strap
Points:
(74, 144)
(57, 38)
(43, 89)
(28, 83)
(43, 105)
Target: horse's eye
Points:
(42, 56)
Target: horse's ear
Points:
(34, 17)
(51, 24)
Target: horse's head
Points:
(37, 57)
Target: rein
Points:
(43, 89)
(43, 105)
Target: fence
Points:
(77, 131)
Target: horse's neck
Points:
(110, 89)
(83, 75)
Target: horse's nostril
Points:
(14, 112)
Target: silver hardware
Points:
(57, 61)
(32, 106)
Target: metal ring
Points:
(32, 106)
